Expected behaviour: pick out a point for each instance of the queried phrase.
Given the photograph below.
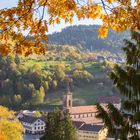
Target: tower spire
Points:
(68, 87)
(67, 97)
(68, 84)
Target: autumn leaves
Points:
(34, 17)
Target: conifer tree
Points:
(70, 131)
(127, 79)
(59, 127)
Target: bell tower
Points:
(67, 99)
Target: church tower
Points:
(67, 99)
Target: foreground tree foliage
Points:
(10, 129)
(25, 16)
(124, 125)
(59, 127)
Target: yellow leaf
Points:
(103, 32)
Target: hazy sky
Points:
(11, 3)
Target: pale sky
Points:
(56, 28)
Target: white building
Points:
(32, 124)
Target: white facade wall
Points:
(37, 127)
(82, 115)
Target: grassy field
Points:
(31, 63)
(43, 64)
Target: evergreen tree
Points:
(127, 79)
(59, 127)
(70, 132)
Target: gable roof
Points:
(91, 127)
(32, 119)
(83, 109)
(89, 120)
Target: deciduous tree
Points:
(10, 129)
(38, 96)
(119, 15)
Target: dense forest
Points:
(86, 37)
(35, 80)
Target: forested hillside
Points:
(41, 79)
(86, 36)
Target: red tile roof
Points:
(88, 120)
(83, 109)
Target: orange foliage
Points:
(2, 136)
(103, 31)
(25, 17)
